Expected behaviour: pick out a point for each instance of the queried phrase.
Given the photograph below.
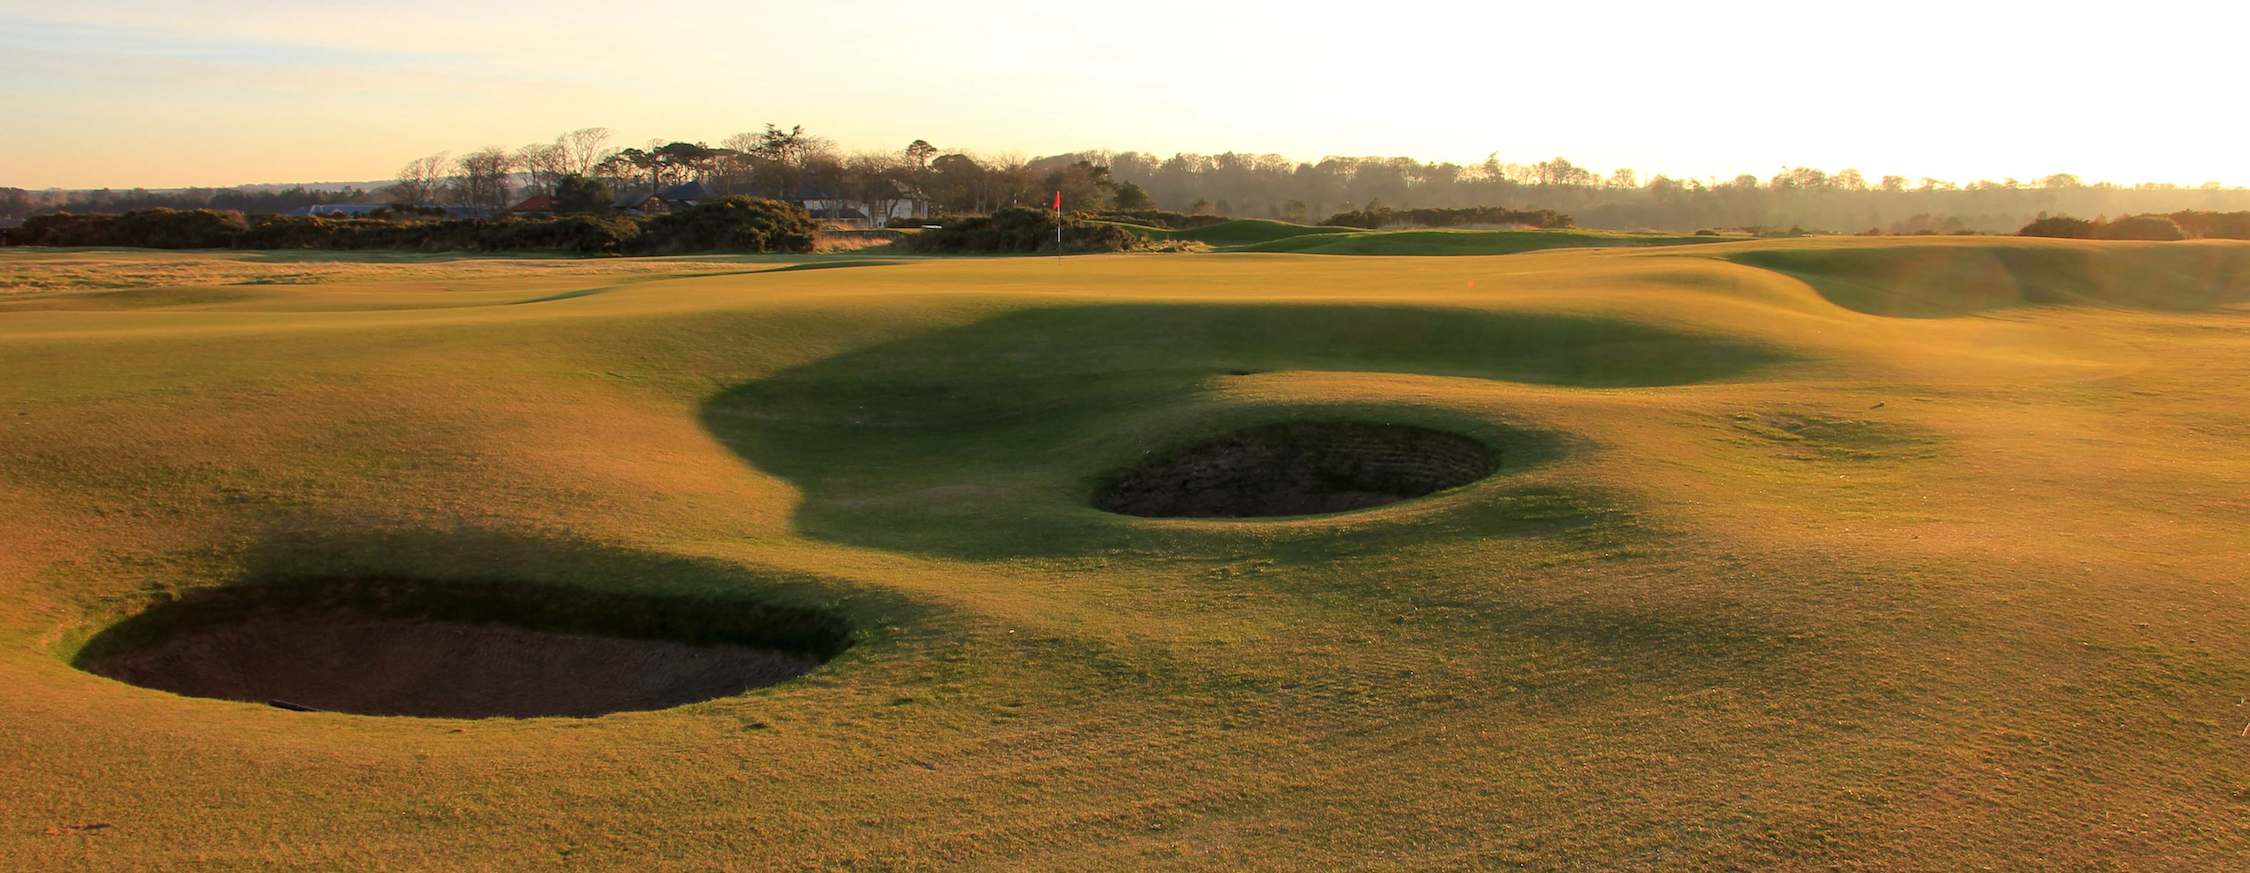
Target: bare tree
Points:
(584, 150)
(483, 182)
(824, 172)
(877, 179)
(1011, 180)
(736, 164)
(420, 181)
(619, 171)
(544, 163)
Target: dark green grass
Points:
(1923, 281)
(1262, 235)
(1248, 231)
(1465, 242)
(1238, 232)
(987, 440)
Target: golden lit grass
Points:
(31, 269)
(1812, 588)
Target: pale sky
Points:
(197, 92)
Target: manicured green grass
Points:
(1249, 231)
(1938, 281)
(1109, 379)
(1466, 242)
(1262, 235)
(1233, 232)
(1807, 554)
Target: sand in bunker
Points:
(1298, 468)
(382, 666)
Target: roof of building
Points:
(535, 203)
(687, 192)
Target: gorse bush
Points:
(734, 224)
(2059, 227)
(2186, 224)
(1023, 230)
(2142, 227)
(349, 234)
(1382, 216)
(148, 228)
(578, 234)
(61, 229)
(2213, 225)
(175, 229)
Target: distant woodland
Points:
(791, 164)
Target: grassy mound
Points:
(1936, 281)
(1769, 584)
(1016, 405)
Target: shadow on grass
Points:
(987, 440)
(629, 281)
(1910, 281)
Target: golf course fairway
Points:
(1795, 554)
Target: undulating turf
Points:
(1936, 281)
(1241, 231)
(1465, 241)
(1262, 235)
(1812, 554)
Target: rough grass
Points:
(1779, 583)
(24, 269)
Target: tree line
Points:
(584, 173)
(789, 163)
(18, 203)
(725, 224)
(1844, 201)
(584, 170)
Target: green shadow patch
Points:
(1943, 281)
(982, 440)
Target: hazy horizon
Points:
(132, 93)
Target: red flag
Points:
(1058, 201)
